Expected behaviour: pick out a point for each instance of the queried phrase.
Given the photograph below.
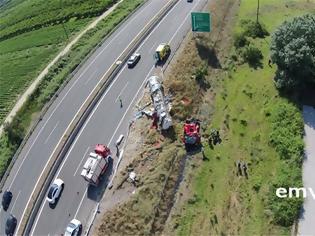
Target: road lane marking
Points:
(100, 101)
(15, 201)
(121, 92)
(75, 216)
(107, 90)
(184, 21)
(87, 121)
(38, 216)
(81, 161)
(141, 87)
(97, 107)
(90, 77)
(152, 47)
(52, 113)
(51, 132)
(40, 131)
(157, 26)
(135, 17)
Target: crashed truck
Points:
(96, 165)
(191, 136)
(160, 104)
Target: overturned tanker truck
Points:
(161, 105)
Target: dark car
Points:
(10, 225)
(189, 0)
(133, 60)
(6, 199)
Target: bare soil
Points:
(160, 161)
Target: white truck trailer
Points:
(96, 164)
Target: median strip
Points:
(69, 135)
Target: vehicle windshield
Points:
(70, 228)
(10, 222)
(6, 197)
(51, 190)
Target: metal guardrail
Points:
(54, 97)
(76, 124)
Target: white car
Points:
(133, 60)
(54, 191)
(73, 228)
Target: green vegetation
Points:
(31, 34)
(286, 137)
(258, 127)
(293, 50)
(57, 75)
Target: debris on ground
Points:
(161, 104)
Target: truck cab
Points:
(162, 52)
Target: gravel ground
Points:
(307, 219)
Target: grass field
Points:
(220, 202)
(31, 34)
(57, 75)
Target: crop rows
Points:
(31, 34)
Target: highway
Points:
(38, 149)
(106, 122)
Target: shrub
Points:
(254, 29)
(200, 73)
(285, 210)
(252, 55)
(240, 40)
(287, 132)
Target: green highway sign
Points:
(200, 22)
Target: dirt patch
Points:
(160, 161)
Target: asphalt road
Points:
(107, 121)
(47, 134)
(307, 218)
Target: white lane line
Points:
(184, 21)
(157, 26)
(15, 201)
(135, 17)
(52, 113)
(64, 134)
(51, 132)
(121, 92)
(40, 131)
(81, 161)
(152, 47)
(38, 216)
(87, 121)
(100, 103)
(121, 120)
(75, 216)
(90, 77)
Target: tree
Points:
(293, 50)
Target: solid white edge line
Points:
(38, 216)
(129, 104)
(80, 203)
(15, 202)
(76, 80)
(46, 140)
(106, 93)
(69, 125)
